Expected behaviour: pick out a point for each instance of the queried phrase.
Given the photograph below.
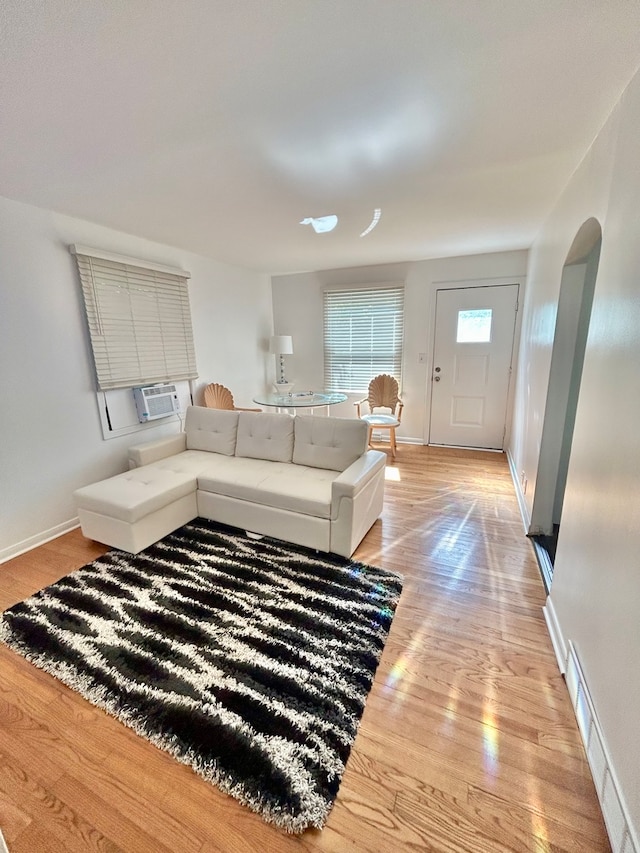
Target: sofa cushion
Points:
(153, 451)
(188, 462)
(277, 484)
(135, 494)
(265, 436)
(214, 430)
(328, 442)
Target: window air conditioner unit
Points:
(156, 401)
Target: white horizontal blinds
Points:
(363, 336)
(139, 321)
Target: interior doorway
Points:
(577, 288)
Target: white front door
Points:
(473, 348)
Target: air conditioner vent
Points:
(160, 389)
(156, 401)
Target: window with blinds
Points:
(139, 320)
(363, 336)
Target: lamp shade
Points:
(281, 344)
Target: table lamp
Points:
(281, 345)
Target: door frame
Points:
(494, 281)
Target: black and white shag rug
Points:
(249, 660)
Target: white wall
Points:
(596, 586)
(50, 435)
(297, 311)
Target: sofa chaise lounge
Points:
(308, 480)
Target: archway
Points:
(577, 287)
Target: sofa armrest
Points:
(358, 474)
(152, 451)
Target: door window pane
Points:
(474, 327)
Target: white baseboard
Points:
(38, 539)
(614, 810)
(522, 504)
(557, 640)
(622, 835)
(382, 437)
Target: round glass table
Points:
(300, 400)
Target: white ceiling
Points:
(217, 125)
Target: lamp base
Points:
(282, 387)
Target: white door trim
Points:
(431, 332)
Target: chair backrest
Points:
(216, 396)
(383, 391)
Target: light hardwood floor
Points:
(468, 741)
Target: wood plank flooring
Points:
(468, 741)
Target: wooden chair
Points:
(216, 396)
(383, 394)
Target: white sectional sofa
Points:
(308, 480)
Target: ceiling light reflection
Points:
(321, 224)
(377, 213)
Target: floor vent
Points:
(613, 808)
